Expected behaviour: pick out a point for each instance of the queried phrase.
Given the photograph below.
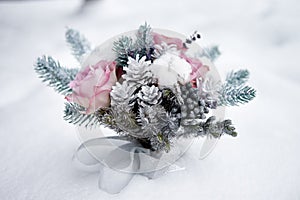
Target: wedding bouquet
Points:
(149, 87)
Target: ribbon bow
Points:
(119, 159)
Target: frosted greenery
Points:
(235, 91)
(56, 76)
(79, 45)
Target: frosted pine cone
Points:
(137, 72)
(149, 95)
(120, 94)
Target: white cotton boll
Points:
(164, 75)
(170, 68)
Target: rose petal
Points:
(159, 38)
(91, 87)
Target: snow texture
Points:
(36, 145)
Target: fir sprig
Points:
(74, 114)
(211, 52)
(124, 48)
(143, 46)
(144, 43)
(237, 78)
(58, 77)
(234, 91)
(231, 96)
(79, 45)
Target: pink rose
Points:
(198, 69)
(92, 86)
(158, 39)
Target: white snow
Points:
(36, 145)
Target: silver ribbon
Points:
(119, 159)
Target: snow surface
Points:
(36, 145)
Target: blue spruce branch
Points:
(123, 48)
(144, 43)
(234, 96)
(234, 91)
(211, 52)
(54, 74)
(75, 114)
(79, 45)
(237, 78)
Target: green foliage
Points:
(211, 52)
(234, 91)
(78, 43)
(54, 74)
(74, 114)
(237, 78)
(144, 42)
(124, 48)
(143, 46)
(235, 96)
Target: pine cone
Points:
(120, 94)
(149, 95)
(125, 119)
(137, 72)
